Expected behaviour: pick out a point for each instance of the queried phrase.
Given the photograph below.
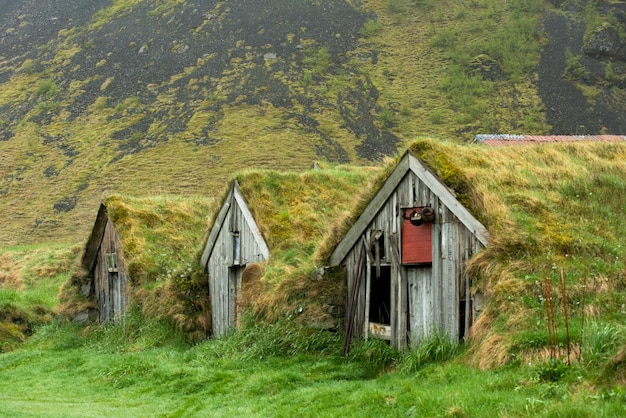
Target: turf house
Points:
(552, 272)
(142, 255)
(234, 242)
(103, 259)
(405, 259)
(261, 248)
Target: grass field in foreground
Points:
(62, 373)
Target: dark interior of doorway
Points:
(380, 296)
(463, 333)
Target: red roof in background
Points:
(497, 140)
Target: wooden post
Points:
(353, 304)
(368, 285)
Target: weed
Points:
(395, 6)
(601, 341)
(574, 70)
(318, 59)
(255, 340)
(47, 88)
(552, 370)
(444, 38)
(28, 66)
(307, 78)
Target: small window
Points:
(236, 249)
(112, 262)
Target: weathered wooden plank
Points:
(368, 284)
(251, 223)
(217, 227)
(411, 186)
(436, 267)
(394, 305)
(449, 273)
(402, 304)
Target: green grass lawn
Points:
(63, 372)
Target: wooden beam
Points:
(370, 211)
(90, 255)
(398, 274)
(254, 228)
(217, 226)
(368, 286)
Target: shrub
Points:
(386, 118)
(552, 370)
(48, 88)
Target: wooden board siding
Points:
(222, 266)
(110, 286)
(425, 299)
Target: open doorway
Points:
(465, 319)
(380, 297)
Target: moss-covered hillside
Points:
(173, 96)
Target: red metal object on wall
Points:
(417, 243)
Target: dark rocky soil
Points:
(567, 109)
(147, 47)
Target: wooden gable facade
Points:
(104, 260)
(233, 243)
(405, 260)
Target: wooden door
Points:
(116, 297)
(234, 285)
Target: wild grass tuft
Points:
(436, 348)
(375, 354)
(257, 340)
(136, 333)
(601, 342)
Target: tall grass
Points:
(64, 373)
(436, 348)
(255, 341)
(30, 277)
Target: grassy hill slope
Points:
(173, 96)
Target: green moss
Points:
(439, 159)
